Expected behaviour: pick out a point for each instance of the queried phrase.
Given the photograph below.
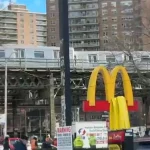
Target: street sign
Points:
(64, 138)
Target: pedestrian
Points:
(6, 143)
(46, 145)
(78, 142)
(20, 145)
(49, 139)
(34, 144)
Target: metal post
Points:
(64, 38)
(5, 129)
(52, 107)
(25, 117)
(40, 125)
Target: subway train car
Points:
(48, 57)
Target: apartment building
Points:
(19, 26)
(96, 24)
(145, 13)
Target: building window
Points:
(22, 42)
(38, 54)
(52, 37)
(110, 58)
(19, 53)
(52, 7)
(53, 29)
(52, 15)
(92, 58)
(56, 54)
(53, 44)
(105, 41)
(105, 33)
(2, 53)
(52, 22)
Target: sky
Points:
(32, 5)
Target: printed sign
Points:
(93, 131)
(64, 138)
(116, 136)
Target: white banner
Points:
(97, 129)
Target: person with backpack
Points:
(20, 145)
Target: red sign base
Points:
(103, 105)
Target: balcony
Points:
(9, 15)
(41, 34)
(82, 9)
(8, 26)
(81, 1)
(41, 18)
(8, 38)
(8, 32)
(39, 28)
(83, 38)
(84, 31)
(83, 16)
(41, 23)
(84, 45)
(8, 21)
(41, 39)
(83, 23)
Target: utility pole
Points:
(52, 107)
(66, 101)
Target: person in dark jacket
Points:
(19, 145)
(6, 144)
(46, 144)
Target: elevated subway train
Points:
(77, 58)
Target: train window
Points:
(56, 54)
(19, 53)
(38, 54)
(145, 58)
(110, 58)
(2, 53)
(92, 58)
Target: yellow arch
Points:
(113, 115)
(92, 84)
(119, 117)
(123, 113)
(126, 83)
(109, 81)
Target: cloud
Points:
(5, 3)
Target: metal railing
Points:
(79, 64)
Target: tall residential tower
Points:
(19, 26)
(96, 24)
